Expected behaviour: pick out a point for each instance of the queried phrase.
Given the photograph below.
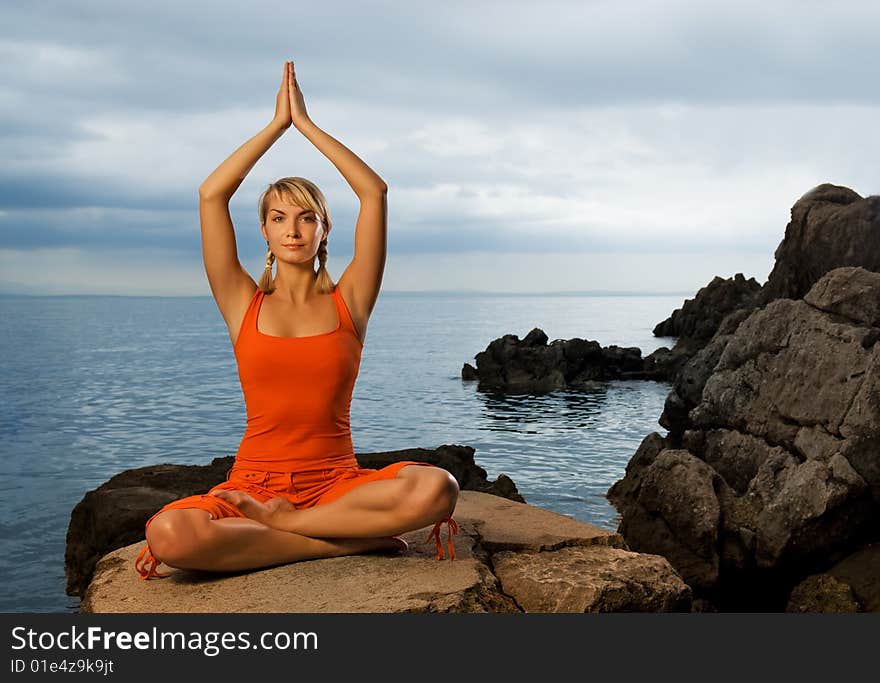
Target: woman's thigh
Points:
(352, 479)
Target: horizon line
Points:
(472, 292)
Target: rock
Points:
(861, 572)
(696, 322)
(469, 372)
(850, 585)
(831, 226)
(510, 557)
(664, 364)
(594, 579)
(114, 514)
(675, 512)
(531, 365)
(771, 469)
(822, 593)
(720, 305)
(850, 293)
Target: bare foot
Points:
(383, 544)
(248, 505)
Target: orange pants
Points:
(303, 489)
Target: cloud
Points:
(508, 128)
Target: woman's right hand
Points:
(282, 101)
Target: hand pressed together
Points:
(290, 107)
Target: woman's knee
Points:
(437, 493)
(175, 535)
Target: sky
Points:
(528, 147)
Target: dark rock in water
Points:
(696, 322)
(771, 469)
(831, 226)
(469, 372)
(113, 515)
(533, 365)
(715, 306)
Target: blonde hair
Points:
(306, 194)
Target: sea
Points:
(94, 385)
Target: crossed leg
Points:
(189, 539)
(416, 497)
(362, 520)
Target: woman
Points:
(295, 490)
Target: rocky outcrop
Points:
(771, 468)
(114, 514)
(509, 557)
(696, 322)
(532, 365)
(831, 227)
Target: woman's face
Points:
(289, 224)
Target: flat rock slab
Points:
(504, 524)
(542, 554)
(591, 579)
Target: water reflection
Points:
(567, 447)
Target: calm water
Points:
(93, 385)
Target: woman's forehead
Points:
(286, 205)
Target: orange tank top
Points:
(297, 391)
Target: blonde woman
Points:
(295, 490)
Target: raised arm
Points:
(362, 278)
(230, 283)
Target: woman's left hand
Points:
(297, 105)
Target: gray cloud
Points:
(590, 127)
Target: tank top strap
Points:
(342, 311)
(248, 323)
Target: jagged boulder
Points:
(696, 322)
(771, 469)
(831, 226)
